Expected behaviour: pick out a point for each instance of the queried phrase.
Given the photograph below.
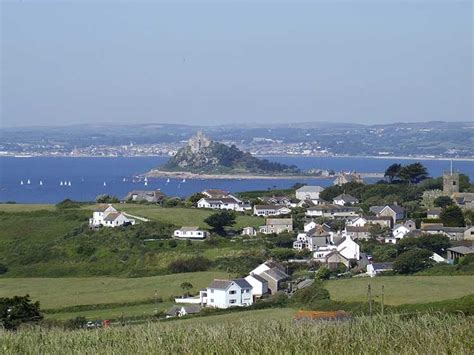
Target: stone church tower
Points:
(450, 182)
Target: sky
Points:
(225, 62)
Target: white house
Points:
(259, 285)
(190, 233)
(108, 216)
(277, 226)
(344, 199)
(273, 273)
(249, 231)
(357, 222)
(227, 293)
(332, 211)
(400, 231)
(181, 311)
(348, 248)
(224, 203)
(308, 192)
(374, 269)
(270, 210)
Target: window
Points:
(212, 290)
(454, 183)
(233, 292)
(232, 301)
(212, 300)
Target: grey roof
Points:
(320, 241)
(189, 309)
(434, 228)
(279, 221)
(242, 283)
(220, 284)
(378, 218)
(317, 232)
(259, 278)
(396, 208)
(462, 250)
(112, 216)
(309, 188)
(275, 274)
(346, 198)
(269, 207)
(189, 229)
(434, 211)
(353, 229)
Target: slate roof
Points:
(190, 309)
(353, 229)
(220, 284)
(396, 208)
(279, 221)
(276, 274)
(259, 278)
(382, 266)
(269, 207)
(346, 198)
(112, 216)
(242, 283)
(308, 188)
(462, 250)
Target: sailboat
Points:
(21, 182)
(69, 183)
(146, 183)
(41, 182)
(60, 183)
(28, 182)
(146, 180)
(168, 181)
(124, 180)
(105, 184)
(184, 180)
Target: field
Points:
(402, 289)
(261, 334)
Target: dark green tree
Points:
(193, 199)
(452, 216)
(393, 172)
(106, 199)
(414, 173)
(17, 310)
(186, 286)
(436, 243)
(412, 261)
(218, 221)
(443, 201)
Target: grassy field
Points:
(402, 289)
(18, 207)
(428, 334)
(66, 292)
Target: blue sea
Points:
(90, 177)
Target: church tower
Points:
(450, 182)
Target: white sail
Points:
(124, 180)
(168, 181)
(28, 182)
(21, 182)
(146, 180)
(61, 183)
(69, 183)
(105, 184)
(146, 183)
(41, 183)
(184, 180)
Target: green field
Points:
(18, 207)
(402, 289)
(65, 292)
(427, 334)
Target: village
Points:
(331, 235)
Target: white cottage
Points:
(108, 216)
(227, 293)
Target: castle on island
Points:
(198, 142)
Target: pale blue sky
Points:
(228, 62)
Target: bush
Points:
(17, 310)
(412, 261)
(323, 273)
(67, 203)
(197, 263)
(3, 269)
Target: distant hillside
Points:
(202, 155)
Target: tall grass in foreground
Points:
(425, 334)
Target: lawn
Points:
(17, 207)
(402, 289)
(65, 292)
(184, 216)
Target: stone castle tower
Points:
(199, 141)
(450, 182)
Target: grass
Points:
(18, 207)
(56, 293)
(427, 334)
(402, 289)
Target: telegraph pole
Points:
(383, 293)
(369, 294)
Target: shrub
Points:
(197, 263)
(412, 261)
(3, 269)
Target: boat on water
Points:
(168, 181)
(21, 182)
(60, 183)
(124, 179)
(41, 183)
(146, 183)
(28, 182)
(184, 180)
(69, 183)
(105, 183)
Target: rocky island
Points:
(204, 158)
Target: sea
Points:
(53, 179)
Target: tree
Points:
(412, 261)
(106, 199)
(186, 286)
(219, 220)
(323, 273)
(3, 269)
(193, 199)
(17, 310)
(443, 201)
(452, 216)
(414, 173)
(393, 172)
(436, 243)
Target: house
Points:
(277, 226)
(469, 233)
(382, 221)
(465, 200)
(335, 258)
(251, 231)
(259, 285)
(453, 233)
(348, 248)
(399, 232)
(224, 203)
(181, 311)
(361, 233)
(395, 211)
(108, 216)
(458, 252)
(190, 233)
(310, 203)
(433, 213)
(273, 273)
(215, 193)
(276, 200)
(344, 200)
(312, 240)
(357, 222)
(332, 211)
(308, 192)
(227, 293)
(344, 178)
(374, 269)
(270, 210)
(151, 196)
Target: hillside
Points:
(202, 155)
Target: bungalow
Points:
(332, 211)
(453, 233)
(273, 273)
(310, 203)
(223, 203)
(458, 252)
(395, 211)
(270, 210)
(357, 222)
(399, 232)
(227, 293)
(249, 231)
(215, 193)
(276, 200)
(361, 233)
(151, 196)
(259, 285)
(181, 311)
(308, 192)
(433, 213)
(345, 199)
(190, 233)
(348, 248)
(277, 226)
(311, 241)
(382, 221)
(374, 269)
(108, 216)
